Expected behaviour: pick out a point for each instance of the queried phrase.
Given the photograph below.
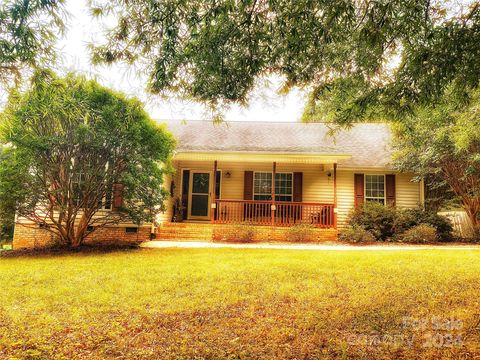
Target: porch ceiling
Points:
(296, 158)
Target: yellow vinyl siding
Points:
(317, 185)
(166, 216)
(408, 192)
(345, 198)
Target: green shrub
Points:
(376, 218)
(301, 233)
(409, 218)
(419, 234)
(357, 234)
(388, 223)
(240, 233)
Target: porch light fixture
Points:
(228, 174)
(213, 205)
(273, 207)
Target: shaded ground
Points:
(241, 303)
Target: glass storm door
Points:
(200, 195)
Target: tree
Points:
(28, 30)
(442, 143)
(74, 148)
(213, 51)
(7, 216)
(440, 57)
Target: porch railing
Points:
(278, 213)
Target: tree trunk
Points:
(81, 230)
(475, 226)
(472, 214)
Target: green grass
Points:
(238, 303)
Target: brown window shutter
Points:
(359, 190)
(297, 186)
(248, 185)
(52, 194)
(390, 187)
(117, 196)
(185, 186)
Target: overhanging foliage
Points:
(28, 30)
(213, 51)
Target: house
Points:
(276, 175)
(273, 175)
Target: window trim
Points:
(370, 198)
(271, 172)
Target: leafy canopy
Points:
(70, 141)
(213, 51)
(441, 142)
(28, 30)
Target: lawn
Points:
(241, 303)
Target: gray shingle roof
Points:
(368, 144)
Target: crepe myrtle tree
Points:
(441, 142)
(80, 156)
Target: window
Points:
(131, 230)
(79, 184)
(375, 188)
(283, 187)
(88, 178)
(262, 186)
(108, 200)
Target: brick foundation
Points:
(31, 238)
(37, 238)
(276, 233)
(215, 232)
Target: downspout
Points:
(422, 192)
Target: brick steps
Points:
(185, 231)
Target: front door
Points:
(199, 195)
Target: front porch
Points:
(227, 189)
